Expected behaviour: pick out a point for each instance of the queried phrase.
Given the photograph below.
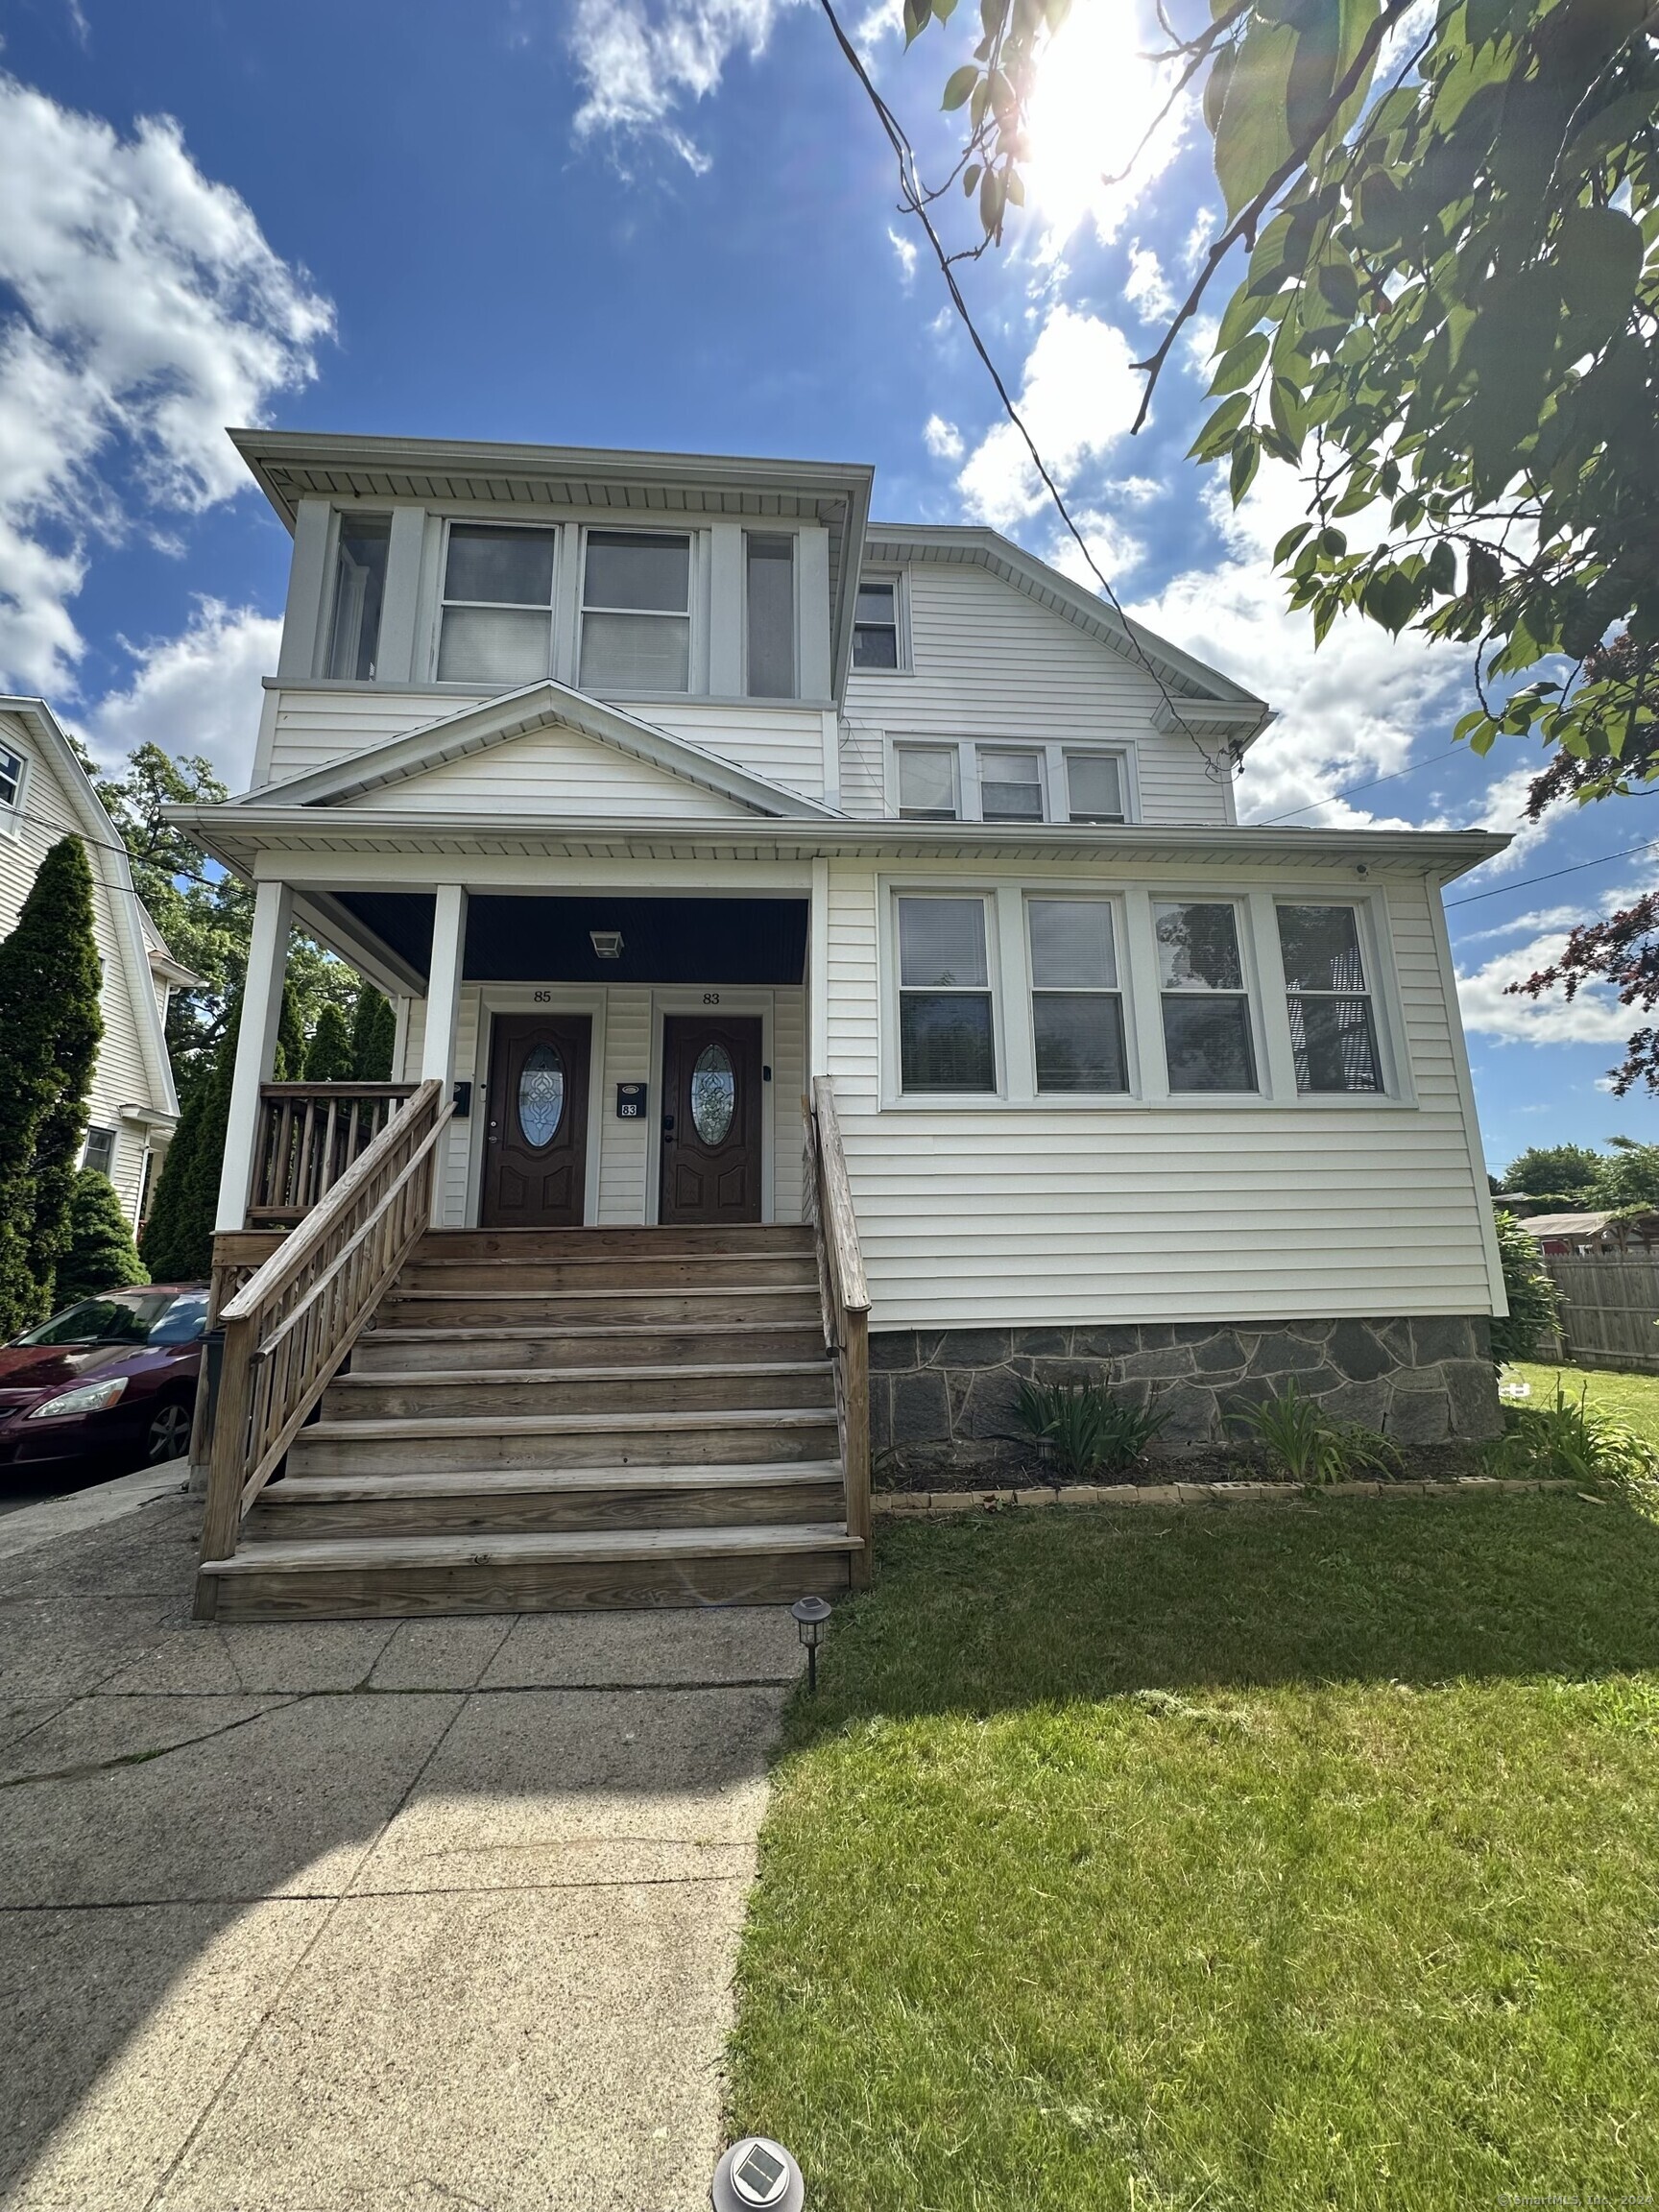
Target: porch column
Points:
(255, 1047)
(444, 987)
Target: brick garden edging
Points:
(924, 1504)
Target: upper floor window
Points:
(1010, 787)
(1076, 1000)
(769, 610)
(100, 1152)
(496, 626)
(946, 1038)
(926, 782)
(1095, 787)
(635, 613)
(1332, 1032)
(876, 624)
(1207, 1037)
(361, 550)
(10, 778)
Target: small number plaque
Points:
(629, 1102)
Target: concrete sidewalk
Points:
(368, 1916)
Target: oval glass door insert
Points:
(713, 1094)
(541, 1095)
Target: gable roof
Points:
(1205, 702)
(516, 714)
(113, 864)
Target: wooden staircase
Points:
(544, 1420)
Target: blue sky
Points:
(660, 223)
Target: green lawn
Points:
(1256, 1858)
(1633, 1399)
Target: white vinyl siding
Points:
(1071, 1212)
(558, 772)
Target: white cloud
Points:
(905, 251)
(197, 693)
(1147, 289)
(1114, 550)
(942, 439)
(1199, 240)
(150, 313)
(1594, 1017)
(1078, 398)
(639, 63)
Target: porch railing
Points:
(287, 1330)
(845, 1298)
(309, 1135)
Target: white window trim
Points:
(1052, 754)
(696, 614)
(1269, 1050)
(772, 698)
(994, 897)
(448, 522)
(11, 810)
(947, 745)
(899, 579)
(1388, 1018)
(1045, 786)
(1124, 991)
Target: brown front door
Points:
(536, 1160)
(711, 1120)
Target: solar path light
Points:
(810, 1615)
(757, 2172)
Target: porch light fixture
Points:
(757, 2172)
(810, 1615)
(606, 943)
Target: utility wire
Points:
(1522, 883)
(1347, 792)
(1217, 767)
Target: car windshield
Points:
(127, 1317)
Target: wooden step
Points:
(554, 1309)
(368, 1577)
(400, 1351)
(432, 1445)
(487, 1397)
(524, 1500)
(554, 1244)
(611, 1271)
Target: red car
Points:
(114, 1375)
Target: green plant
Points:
(1085, 1430)
(178, 1240)
(373, 1035)
(328, 1056)
(1570, 1439)
(1534, 1303)
(1309, 1444)
(100, 1255)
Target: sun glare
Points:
(1097, 95)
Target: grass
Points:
(1633, 1399)
(1276, 1857)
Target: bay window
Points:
(946, 1034)
(636, 612)
(1333, 1031)
(495, 628)
(1206, 1006)
(1076, 1000)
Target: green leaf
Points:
(969, 178)
(1441, 573)
(918, 14)
(958, 85)
(1240, 363)
(1246, 460)
(1333, 543)
(1340, 287)
(1289, 543)
(1215, 87)
(1218, 432)
(1598, 253)
(991, 202)
(1252, 139)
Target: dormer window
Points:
(361, 551)
(635, 613)
(496, 627)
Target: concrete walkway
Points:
(364, 1915)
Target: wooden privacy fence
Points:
(845, 1298)
(310, 1134)
(1609, 1311)
(286, 1331)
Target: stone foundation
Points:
(943, 1398)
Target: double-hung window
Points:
(1010, 786)
(769, 626)
(876, 624)
(1207, 1038)
(496, 626)
(1095, 787)
(100, 1152)
(10, 782)
(360, 555)
(945, 1036)
(636, 612)
(1076, 1000)
(1333, 1031)
(927, 776)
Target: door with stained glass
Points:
(711, 1120)
(535, 1154)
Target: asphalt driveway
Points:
(378, 1915)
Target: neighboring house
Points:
(44, 793)
(1594, 1235)
(659, 788)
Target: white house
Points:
(661, 789)
(44, 794)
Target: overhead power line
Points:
(1524, 882)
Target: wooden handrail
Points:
(289, 1328)
(310, 1134)
(844, 1295)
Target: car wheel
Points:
(168, 1435)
